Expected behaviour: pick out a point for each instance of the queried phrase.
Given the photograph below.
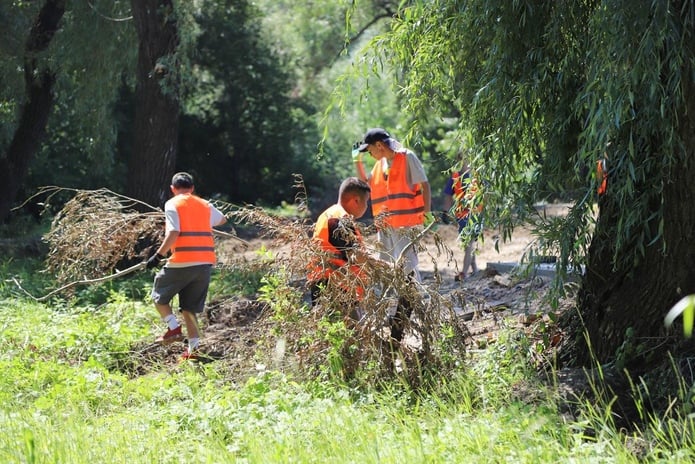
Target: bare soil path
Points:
(488, 301)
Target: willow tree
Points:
(549, 89)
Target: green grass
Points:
(64, 399)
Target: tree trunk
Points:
(153, 159)
(31, 128)
(623, 310)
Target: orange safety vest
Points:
(602, 174)
(465, 189)
(322, 270)
(195, 242)
(392, 195)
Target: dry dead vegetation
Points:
(276, 328)
(97, 231)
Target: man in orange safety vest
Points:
(188, 235)
(339, 240)
(401, 201)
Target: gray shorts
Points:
(190, 283)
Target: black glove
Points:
(154, 261)
(444, 217)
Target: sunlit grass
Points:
(62, 399)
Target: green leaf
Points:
(688, 315)
(685, 306)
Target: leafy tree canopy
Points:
(549, 88)
(81, 130)
(243, 131)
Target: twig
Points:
(232, 236)
(115, 275)
(412, 243)
(51, 190)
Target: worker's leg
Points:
(164, 288)
(191, 322)
(192, 299)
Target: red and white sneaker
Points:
(190, 355)
(171, 336)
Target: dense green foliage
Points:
(257, 89)
(80, 144)
(243, 134)
(549, 88)
(247, 122)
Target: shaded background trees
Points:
(245, 125)
(78, 149)
(33, 110)
(243, 133)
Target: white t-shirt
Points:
(416, 172)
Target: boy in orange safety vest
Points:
(188, 235)
(459, 190)
(335, 233)
(401, 196)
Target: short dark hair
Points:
(182, 180)
(354, 185)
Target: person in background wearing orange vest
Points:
(602, 175)
(336, 234)
(400, 194)
(188, 234)
(459, 190)
(401, 199)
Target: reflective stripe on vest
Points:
(194, 242)
(392, 196)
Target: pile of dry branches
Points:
(435, 338)
(99, 230)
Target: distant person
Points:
(335, 232)
(188, 235)
(401, 203)
(602, 175)
(459, 190)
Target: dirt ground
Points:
(492, 289)
(487, 300)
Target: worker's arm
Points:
(168, 243)
(361, 173)
(427, 196)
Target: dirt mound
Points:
(231, 331)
